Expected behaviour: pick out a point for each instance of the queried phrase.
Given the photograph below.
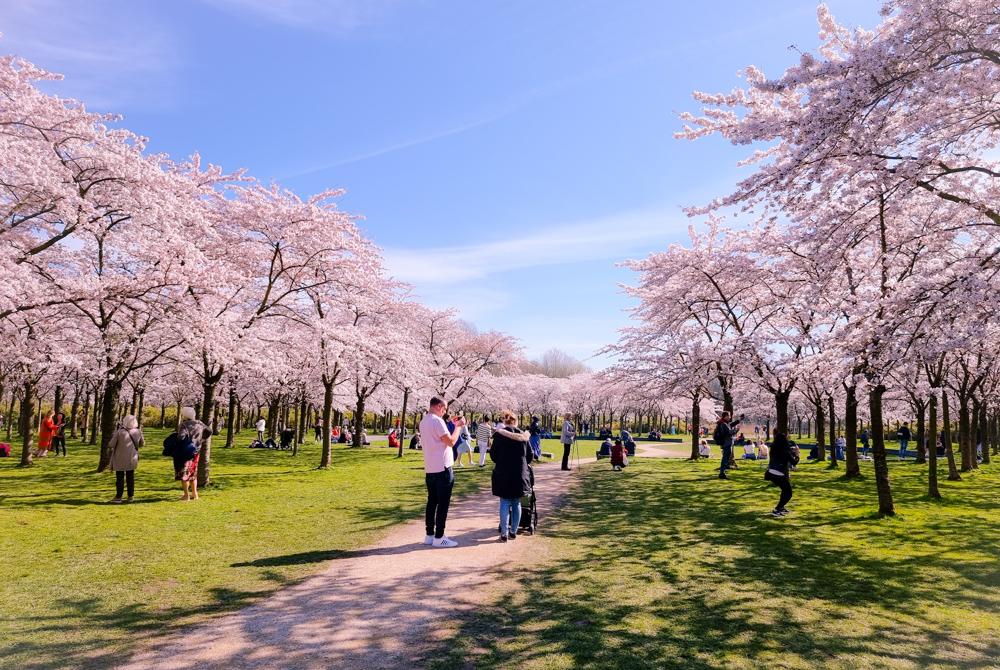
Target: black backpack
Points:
(717, 435)
(175, 446)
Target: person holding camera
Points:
(439, 474)
(723, 437)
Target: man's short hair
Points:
(436, 402)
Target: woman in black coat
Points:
(782, 456)
(511, 477)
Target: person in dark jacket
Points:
(723, 436)
(535, 439)
(511, 477)
(782, 457)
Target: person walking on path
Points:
(782, 456)
(567, 437)
(439, 476)
(124, 447)
(723, 437)
(511, 478)
(535, 429)
(904, 436)
(483, 434)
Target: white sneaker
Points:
(429, 539)
(444, 542)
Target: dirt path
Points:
(383, 607)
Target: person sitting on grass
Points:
(762, 451)
(394, 438)
(704, 451)
(619, 456)
(749, 453)
(605, 450)
(415, 441)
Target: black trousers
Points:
(785, 484)
(58, 442)
(123, 478)
(565, 462)
(439, 486)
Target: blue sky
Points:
(505, 155)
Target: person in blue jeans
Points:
(904, 436)
(723, 437)
(865, 436)
(511, 478)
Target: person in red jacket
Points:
(45, 433)
(619, 457)
(394, 438)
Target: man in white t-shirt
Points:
(261, 425)
(438, 473)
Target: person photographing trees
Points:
(439, 476)
(723, 437)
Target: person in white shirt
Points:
(261, 425)
(483, 434)
(438, 473)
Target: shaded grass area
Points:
(664, 566)
(86, 581)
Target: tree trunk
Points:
(208, 418)
(57, 404)
(324, 460)
(820, 430)
(74, 409)
(141, 407)
(833, 431)
(163, 414)
(85, 416)
(781, 411)
(964, 432)
(231, 418)
(10, 413)
(932, 484)
(27, 427)
(921, 433)
(984, 431)
(95, 414)
(359, 421)
(300, 431)
(885, 506)
(109, 405)
(695, 424)
(402, 423)
(953, 475)
(853, 467)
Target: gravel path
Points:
(384, 607)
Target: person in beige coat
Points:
(124, 446)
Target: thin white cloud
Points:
(112, 56)
(337, 16)
(610, 237)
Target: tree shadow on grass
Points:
(662, 568)
(94, 652)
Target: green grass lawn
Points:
(84, 581)
(664, 566)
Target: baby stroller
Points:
(529, 508)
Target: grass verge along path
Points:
(86, 581)
(664, 566)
